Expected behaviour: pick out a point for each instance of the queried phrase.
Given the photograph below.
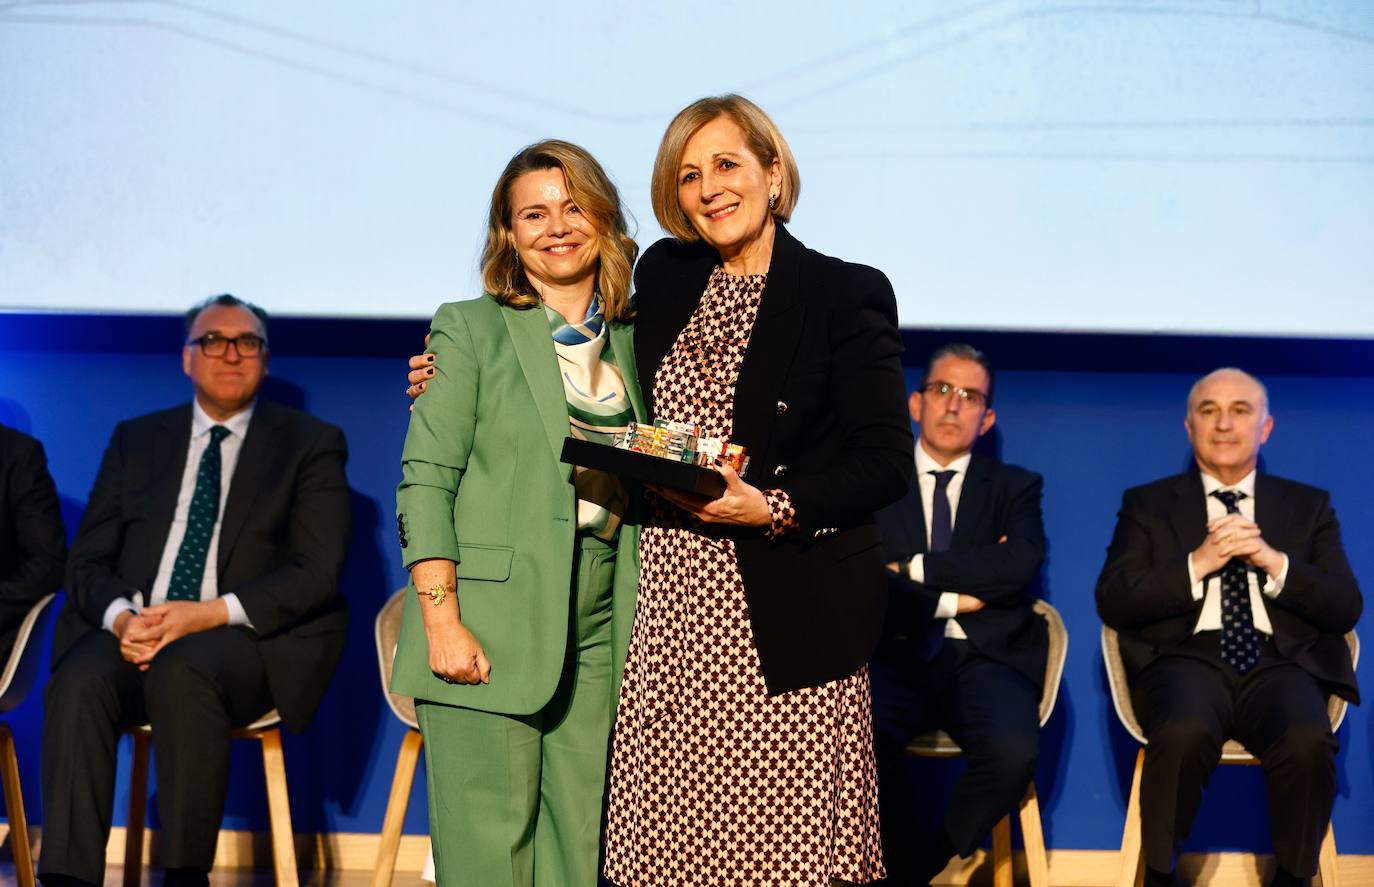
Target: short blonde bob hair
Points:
(594, 193)
(760, 133)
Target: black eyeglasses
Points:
(970, 396)
(215, 345)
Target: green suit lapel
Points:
(623, 347)
(529, 333)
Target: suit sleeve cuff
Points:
(237, 615)
(916, 569)
(1197, 583)
(117, 606)
(1274, 586)
(948, 607)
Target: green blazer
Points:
(482, 485)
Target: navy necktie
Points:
(941, 529)
(941, 519)
(1239, 640)
(189, 569)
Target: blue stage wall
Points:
(1094, 414)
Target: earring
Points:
(772, 201)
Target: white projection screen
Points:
(1082, 165)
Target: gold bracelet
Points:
(436, 593)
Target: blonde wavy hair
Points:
(595, 195)
(761, 134)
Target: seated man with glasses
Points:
(963, 651)
(201, 594)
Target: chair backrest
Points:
(1121, 694)
(1054, 662)
(21, 669)
(1336, 706)
(1116, 680)
(388, 628)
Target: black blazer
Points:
(282, 541)
(996, 500)
(1145, 595)
(33, 545)
(821, 406)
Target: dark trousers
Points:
(195, 691)
(1190, 702)
(989, 708)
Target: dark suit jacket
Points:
(996, 500)
(1145, 595)
(821, 406)
(33, 545)
(282, 541)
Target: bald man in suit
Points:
(1231, 592)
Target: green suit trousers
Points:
(515, 801)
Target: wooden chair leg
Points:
(1326, 862)
(279, 809)
(1001, 852)
(138, 809)
(1033, 836)
(401, 783)
(14, 806)
(1132, 872)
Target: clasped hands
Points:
(1234, 536)
(741, 505)
(143, 634)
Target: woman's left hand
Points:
(741, 505)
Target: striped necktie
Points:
(189, 569)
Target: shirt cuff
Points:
(1275, 584)
(916, 569)
(237, 615)
(948, 607)
(782, 512)
(117, 606)
(1197, 583)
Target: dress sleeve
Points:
(784, 514)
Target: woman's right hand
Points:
(421, 371)
(456, 656)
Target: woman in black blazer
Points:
(743, 749)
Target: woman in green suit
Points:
(523, 569)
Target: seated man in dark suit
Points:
(963, 650)
(1231, 592)
(202, 593)
(33, 545)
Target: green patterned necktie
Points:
(189, 569)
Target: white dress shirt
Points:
(1210, 592)
(229, 447)
(948, 605)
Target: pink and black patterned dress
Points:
(713, 781)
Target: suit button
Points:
(780, 471)
(782, 407)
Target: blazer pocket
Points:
(488, 562)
